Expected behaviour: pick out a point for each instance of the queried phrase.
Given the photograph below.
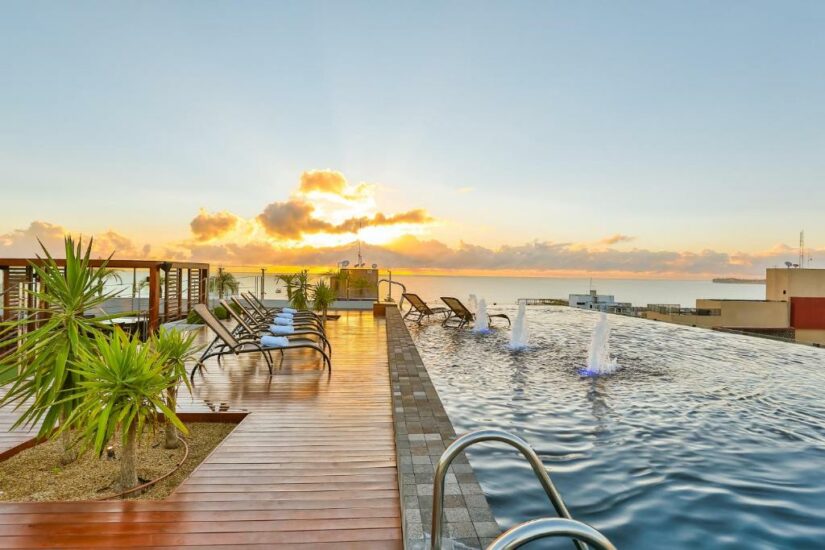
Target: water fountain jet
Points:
(519, 335)
(482, 323)
(598, 356)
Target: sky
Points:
(649, 139)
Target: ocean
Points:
(507, 290)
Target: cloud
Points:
(464, 190)
(23, 243)
(330, 182)
(291, 219)
(617, 238)
(206, 226)
(539, 257)
(294, 218)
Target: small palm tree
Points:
(222, 282)
(121, 389)
(175, 348)
(322, 297)
(300, 292)
(289, 280)
(48, 337)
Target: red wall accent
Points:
(808, 313)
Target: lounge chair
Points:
(460, 313)
(261, 307)
(420, 309)
(225, 343)
(264, 319)
(250, 327)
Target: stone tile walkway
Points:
(422, 432)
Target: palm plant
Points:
(300, 292)
(322, 297)
(121, 389)
(289, 280)
(222, 282)
(47, 337)
(176, 348)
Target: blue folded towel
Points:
(280, 330)
(274, 342)
(289, 310)
(284, 316)
(282, 321)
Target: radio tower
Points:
(801, 249)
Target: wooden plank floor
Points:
(312, 466)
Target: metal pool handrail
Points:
(480, 436)
(550, 527)
(391, 282)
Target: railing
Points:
(504, 437)
(550, 527)
(390, 282)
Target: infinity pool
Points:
(700, 440)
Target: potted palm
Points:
(175, 347)
(121, 391)
(46, 338)
(322, 297)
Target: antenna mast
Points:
(360, 259)
(802, 249)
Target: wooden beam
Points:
(154, 299)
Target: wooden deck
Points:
(312, 465)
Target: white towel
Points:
(280, 330)
(285, 315)
(282, 321)
(289, 310)
(274, 342)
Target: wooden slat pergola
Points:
(17, 273)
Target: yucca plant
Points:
(47, 337)
(175, 347)
(223, 282)
(322, 297)
(121, 389)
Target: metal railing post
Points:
(550, 527)
(480, 436)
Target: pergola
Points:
(181, 280)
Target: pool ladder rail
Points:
(562, 526)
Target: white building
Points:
(595, 301)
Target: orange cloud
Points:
(206, 226)
(617, 238)
(294, 218)
(23, 243)
(330, 182)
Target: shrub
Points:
(193, 318)
(221, 313)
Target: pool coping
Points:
(422, 432)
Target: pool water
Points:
(700, 439)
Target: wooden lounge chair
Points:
(463, 316)
(249, 326)
(420, 309)
(225, 343)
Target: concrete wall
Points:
(811, 336)
(734, 313)
(782, 284)
(703, 321)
